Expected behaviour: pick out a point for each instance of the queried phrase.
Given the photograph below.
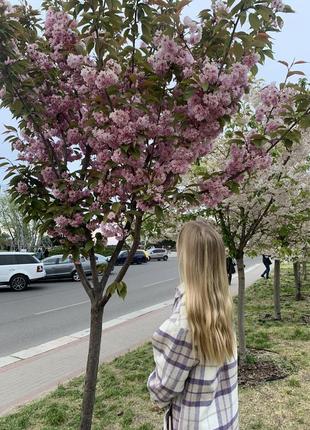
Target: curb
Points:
(65, 340)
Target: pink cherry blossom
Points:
(22, 188)
(106, 78)
(75, 61)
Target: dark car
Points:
(139, 258)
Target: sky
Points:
(293, 42)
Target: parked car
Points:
(58, 267)
(158, 254)
(18, 269)
(139, 257)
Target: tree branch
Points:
(135, 244)
(85, 282)
(296, 122)
(231, 38)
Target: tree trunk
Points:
(304, 270)
(92, 366)
(277, 290)
(297, 280)
(241, 306)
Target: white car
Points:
(18, 269)
(158, 254)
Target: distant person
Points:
(267, 263)
(230, 267)
(39, 254)
(46, 253)
(195, 376)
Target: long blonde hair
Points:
(209, 308)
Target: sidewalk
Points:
(26, 379)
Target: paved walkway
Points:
(26, 379)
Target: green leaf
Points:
(254, 21)
(159, 212)
(122, 289)
(288, 9)
(283, 62)
(243, 16)
(116, 207)
(305, 121)
(295, 72)
(89, 245)
(9, 127)
(119, 287)
(8, 175)
(233, 186)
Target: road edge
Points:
(74, 337)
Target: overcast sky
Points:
(292, 43)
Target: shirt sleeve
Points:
(174, 360)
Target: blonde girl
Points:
(195, 377)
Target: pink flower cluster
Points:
(75, 61)
(2, 92)
(247, 158)
(220, 7)
(169, 53)
(274, 103)
(22, 188)
(250, 60)
(111, 229)
(109, 76)
(66, 228)
(209, 107)
(214, 192)
(59, 30)
(195, 31)
(41, 59)
(277, 5)
(49, 176)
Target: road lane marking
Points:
(87, 301)
(61, 308)
(161, 282)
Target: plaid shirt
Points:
(202, 397)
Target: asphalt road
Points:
(49, 310)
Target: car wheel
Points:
(19, 282)
(75, 276)
(165, 258)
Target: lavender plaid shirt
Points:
(202, 397)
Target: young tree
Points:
(269, 208)
(22, 235)
(115, 100)
(245, 216)
(287, 236)
(285, 232)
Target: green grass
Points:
(122, 401)
(284, 404)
